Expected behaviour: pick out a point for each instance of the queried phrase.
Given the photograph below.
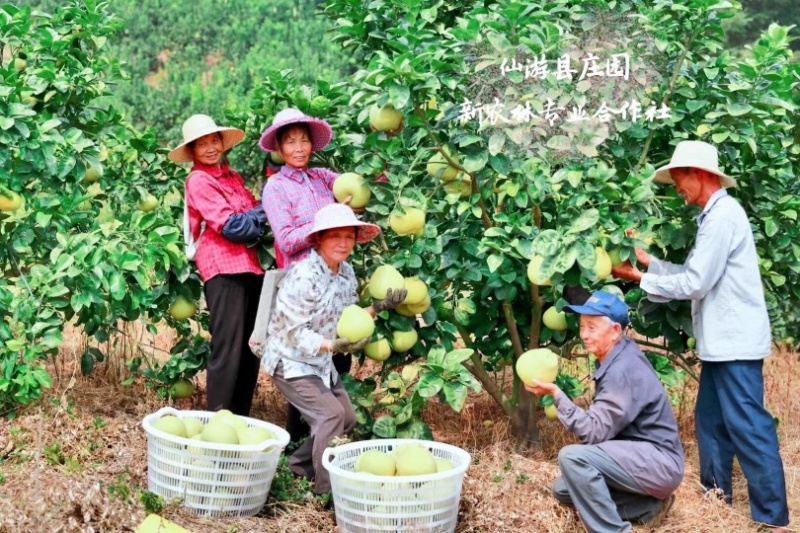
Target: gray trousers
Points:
(329, 413)
(606, 497)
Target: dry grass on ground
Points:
(74, 462)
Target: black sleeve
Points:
(245, 227)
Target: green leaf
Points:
(737, 110)
(385, 427)
(495, 261)
(455, 395)
(429, 385)
(454, 359)
(416, 429)
(588, 219)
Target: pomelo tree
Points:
(479, 86)
(78, 251)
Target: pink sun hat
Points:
(341, 216)
(321, 132)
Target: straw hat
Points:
(341, 216)
(321, 132)
(694, 154)
(195, 127)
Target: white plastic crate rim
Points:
(210, 478)
(367, 503)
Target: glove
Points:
(343, 345)
(392, 300)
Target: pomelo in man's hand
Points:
(384, 278)
(613, 254)
(540, 364)
(355, 324)
(351, 184)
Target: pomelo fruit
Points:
(410, 223)
(351, 184)
(378, 350)
(181, 308)
(385, 118)
(384, 278)
(439, 167)
(404, 340)
(375, 462)
(555, 320)
(533, 271)
(540, 364)
(355, 324)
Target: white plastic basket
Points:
(426, 503)
(211, 479)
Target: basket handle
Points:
(326, 457)
(167, 410)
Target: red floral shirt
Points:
(213, 194)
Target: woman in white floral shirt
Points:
(302, 335)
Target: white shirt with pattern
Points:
(310, 301)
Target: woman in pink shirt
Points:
(291, 198)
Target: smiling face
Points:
(599, 334)
(336, 245)
(208, 149)
(688, 183)
(294, 144)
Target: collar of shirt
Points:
(711, 201)
(297, 174)
(611, 357)
(215, 171)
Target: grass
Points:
(77, 462)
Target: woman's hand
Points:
(392, 300)
(343, 345)
(541, 389)
(355, 209)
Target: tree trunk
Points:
(524, 423)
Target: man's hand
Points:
(392, 300)
(627, 271)
(541, 389)
(355, 209)
(343, 345)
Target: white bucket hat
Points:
(321, 132)
(342, 216)
(195, 127)
(694, 154)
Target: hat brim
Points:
(663, 175)
(321, 133)
(583, 310)
(230, 138)
(365, 231)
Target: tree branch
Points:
(480, 373)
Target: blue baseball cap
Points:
(602, 303)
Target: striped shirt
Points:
(213, 194)
(291, 198)
(309, 303)
(721, 278)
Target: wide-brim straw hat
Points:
(197, 126)
(694, 154)
(341, 216)
(321, 132)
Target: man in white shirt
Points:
(729, 318)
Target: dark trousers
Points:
(296, 426)
(232, 371)
(731, 420)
